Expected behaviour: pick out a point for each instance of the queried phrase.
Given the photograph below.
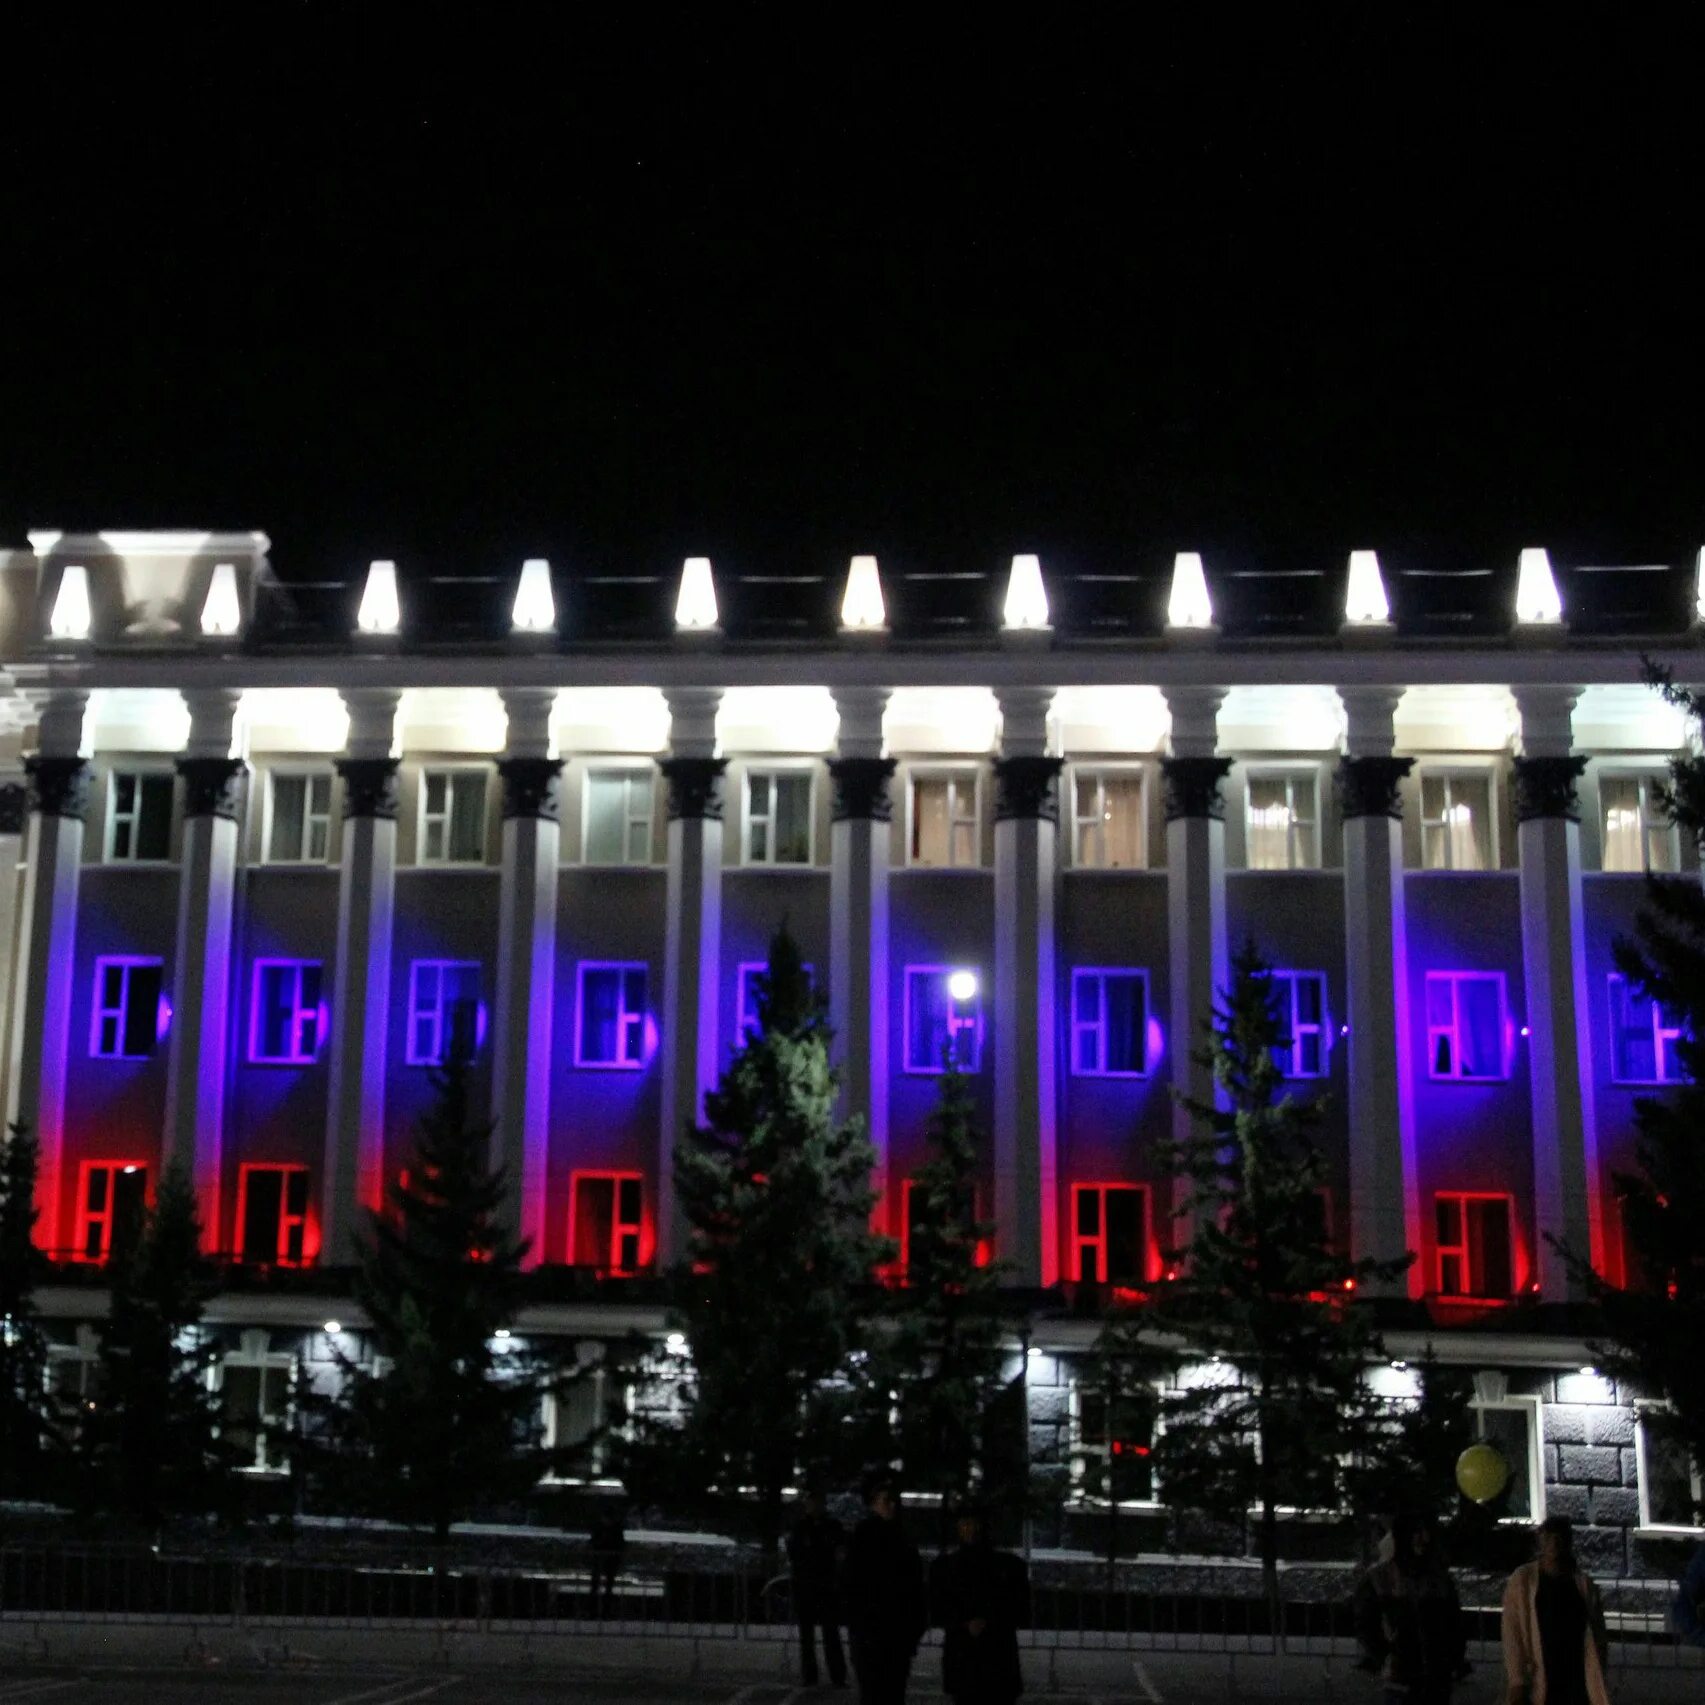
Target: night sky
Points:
(783, 285)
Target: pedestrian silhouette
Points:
(606, 1541)
(1409, 1618)
(882, 1593)
(1555, 1648)
(980, 1598)
(814, 1556)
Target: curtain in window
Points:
(1269, 823)
(931, 829)
(1622, 829)
(1480, 1027)
(792, 819)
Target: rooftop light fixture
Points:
(1026, 597)
(1189, 605)
(1365, 601)
(222, 614)
(535, 606)
(380, 612)
(1537, 599)
(862, 609)
(71, 617)
(695, 604)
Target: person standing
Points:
(882, 1595)
(814, 1556)
(1555, 1648)
(980, 1598)
(1409, 1618)
(606, 1541)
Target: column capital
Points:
(59, 721)
(692, 720)
(213, 787)
(1195, 713)
(1370, 786)
(1190, 787)
(527, 711)
(530, 787)
(1024, 720)
(861, 789)
(860, 710)
(1545, 715)
(59, 787)
(372, 722)
(1025, 788)
(1545, 787)
(212, 721)
(1370, 716)
(14, 806)
(695, 788)
(369, 787)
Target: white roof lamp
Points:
(380, 611)
(695, 603)
(1026, 609)
(1189, 607)
(862, 608)
(1538, 602)
(535, 602)
(71, 616)
(1365, 600)
(222, 613)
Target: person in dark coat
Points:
(980, 1598)
(606, 1541)
(882, 1596)
(1409, 1619)
(814, 1556)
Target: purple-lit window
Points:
(1109, 1022)
(443, 1011)
(284, 1017)
(1466, 1026)
(129, 1015)
(610, 1031)
(747, 993)
(940, 1022)
(1643, 1036)
(1301, 1000)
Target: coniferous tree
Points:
(1408, 1460)
(776, 1197)
(1275, 1413)
(27, 1429)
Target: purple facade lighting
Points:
(613, 1026)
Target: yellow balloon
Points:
(1482, 1473)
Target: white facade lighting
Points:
(380, 612)
(71, 617)
(695, 604)
(862, 609)
(676, 1343)
(1189, 606)
(1026, 596)
(222, 614)
(1365, 601)
(962, 986)
(1537, 598)
(535, 604)
(333, 1327)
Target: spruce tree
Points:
(776, 1196)
(27, 1429)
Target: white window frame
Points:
(309, 773)
(1101, 774)
(1100, 974)
(776, 771)
(1534, 1409)
(301, 1014)
(1642, 1407)
(140, 770)
(1651, 822)
(1077, 1451)
(1449, 772)
(600, 1375)
(128, 962)
(1455, 978)
(1290, 774)
(451, 771)
(1288, 980)
(958, 775)
(253, 1353)
(622, 967)
(631, 820)
(1665, 1037)
(418, 1010)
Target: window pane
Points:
(1269, 824)
(142, 1010)
(594, 1221)
(263, 1190)
(154, 818)
(1471, 823)
(1088, 1213)
(599, 1012)
(927, 1014)
(1449, 1212)
(1126, 1021)
(1122, 823)
(436, 784)
(1126, 1242)
(1439, 1007)
(1669, 1478)
(793, 820)
(467, 819)
(1623, 849)
(1489, 1247)
(606, 818)
(930, 828)
(1309, 1000)
(288, 796)
(1508, 1430)
(1480, 1015)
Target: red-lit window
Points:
(606, 1227)
(1476, 1255)
(914, 1220)
(272, 1215)
(1110, 1242)
(110, 1206)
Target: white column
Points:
(47, 946)
(1560, 1041)
(1385, 1203)
(361, 989)
(1191, 778)
(858, 919)
(196, 1066)
(14, 818)
(1025, 992)
(526, 959)
(693, 945)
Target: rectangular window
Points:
(299, 828)
(1512, 1426)
(746, 993)
(1109, 1023)
(617, 829)
(272, 1214)
(1283, 820)
(1671, 1495)
(1643, 1036)
(1475, 1245)
(1301, 1000)
(778, 817)
(1456, 820)
(944, 821)
(611, 1027)
(1108, 824)
(129, 1015)
(607, 1222)
(452, 817)
(139, 815)
(1110, 1234)
(1466, 1025)
(1637, 835)
(591, 1407)
(944, 1014)
(254, 1405)
(1113, 1444)
(443, 1011)
(110, 1207)
(916, 1221)
(285, 1017)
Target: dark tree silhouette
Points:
(28, 1433)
